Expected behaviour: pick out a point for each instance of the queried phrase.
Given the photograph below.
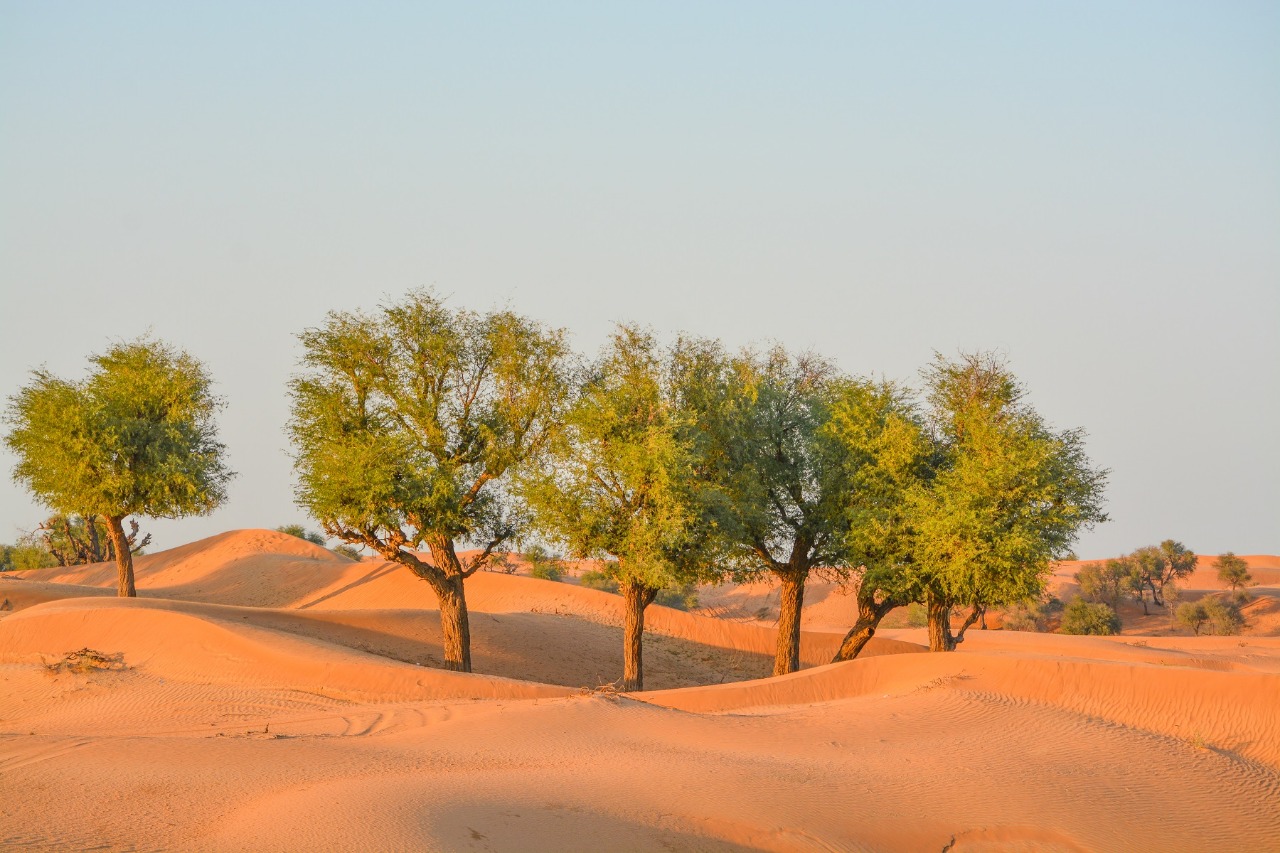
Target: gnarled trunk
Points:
(455, 625)
(787, 658)
(869, 615)
(124, 557)
(940, 639)
(636, 597)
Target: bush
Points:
(302, 533)
(1224, 616)
(349, 552)
(548, 571)
(917, 615)
(683, 597)
(25, 555)
(1031, 615)
(1192, 614)
(543, 565)
(598, 580)
(1084, 617)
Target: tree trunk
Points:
(124, 557)
(787, 658)
(636, 597)
(869, 615)
(940, 639)
(455, 625)
(95, 547)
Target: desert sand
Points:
(265, 694)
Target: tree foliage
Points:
(1009, 494)
(136, 437)
(784, 476)
(624, 481)
(1104, 582)
(1233, 571)
(406, 425)
(1085, 617)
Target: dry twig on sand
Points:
(87, 660)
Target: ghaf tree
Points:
(406, 423)
(137, 437)
(624, 481)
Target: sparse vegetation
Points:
(349, 552)
(595, 579)
(543, 564)
(1086, 617)
(302, 533)
(1104, 582)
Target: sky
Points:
(1091, 189)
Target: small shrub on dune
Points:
(1084, 617)
(543, 565)
(1224, 616)
(1192, 615)
(683, 597)
(302, 533)
(598, 580)
(348, 552)
(547, 571)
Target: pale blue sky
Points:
(1092, 188)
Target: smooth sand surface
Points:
(271, 695)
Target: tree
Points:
(1084, 617)
(1010, 494)
(886, 453)
(1104, 582)
(136, 437)
(408, 423)
(1233, 571)
(74, 540)
(784, 477)
(1155, 566)
(624, 482)
(302, 533)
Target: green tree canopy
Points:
(886, 454)
(1010, 494)
(136, 437)
(784, 478)
(624, 482)
(405, 424)
(1233, 571)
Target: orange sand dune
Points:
(272, 698)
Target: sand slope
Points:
(274, 696)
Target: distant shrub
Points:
(349, 552)
(1086, 617)
(1219, 615)
(917, 615)
(1033, 615)
(1224, 616)
(543, 565)
(26, 554)
(598, 580)
(549, 571)
(302, 533)
(1192, 614)
(683, 597)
